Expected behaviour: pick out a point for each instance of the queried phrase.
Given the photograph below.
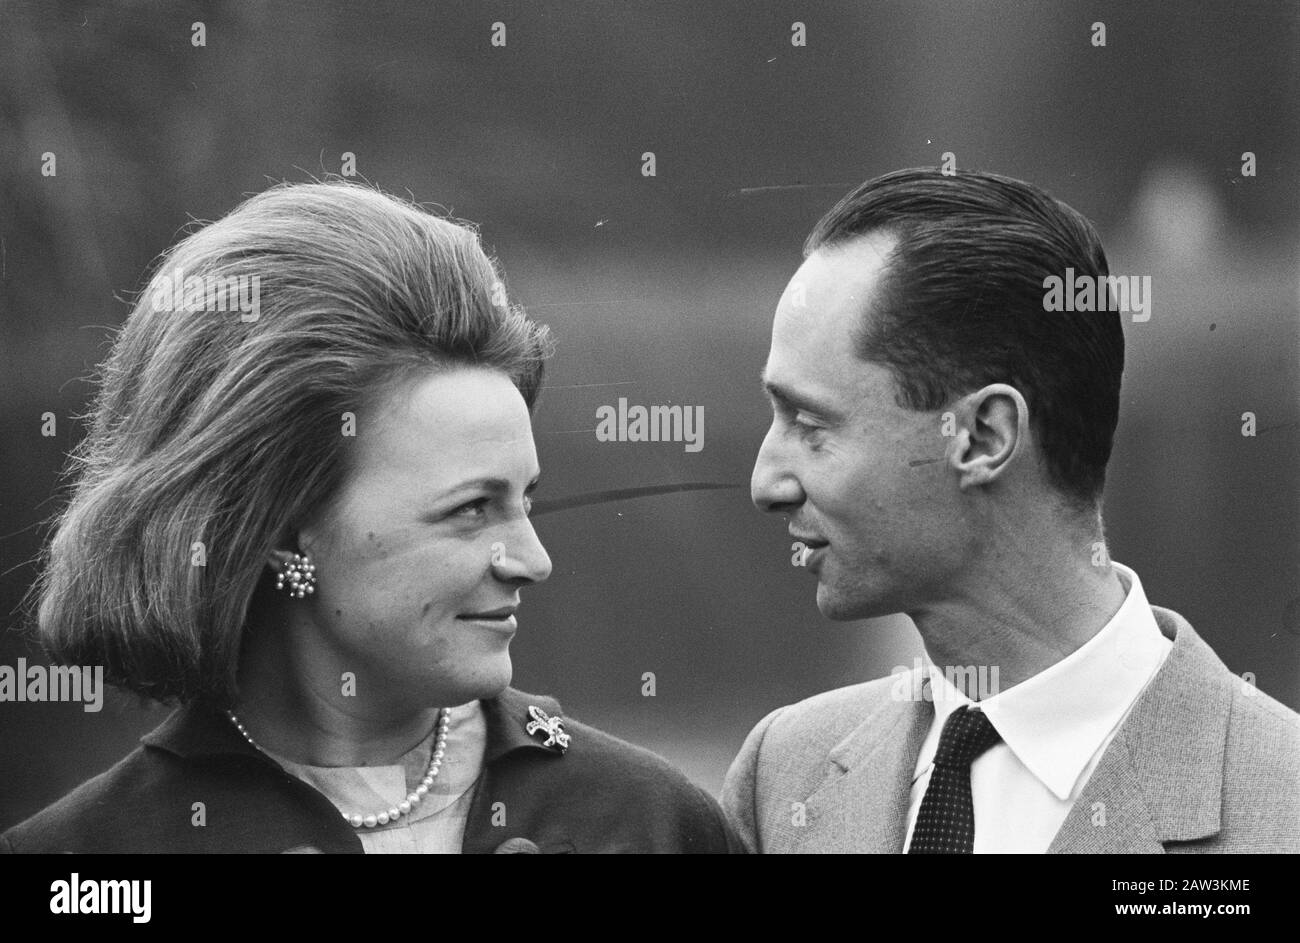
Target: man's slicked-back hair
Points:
(961, 305)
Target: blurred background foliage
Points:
(661, 289)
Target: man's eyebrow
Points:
(798, 401)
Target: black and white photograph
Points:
(587, 426)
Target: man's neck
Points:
(1022, 615)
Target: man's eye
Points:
(805, 428)
(528, 504)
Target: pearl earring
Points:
(298, 574)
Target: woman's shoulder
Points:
(192, 786)
(596, 751)
(566, 777)
(91, 817)
(537, 724)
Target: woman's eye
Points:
(528, 505)
(471, 508)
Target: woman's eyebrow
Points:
(490, 484)
(625, 494)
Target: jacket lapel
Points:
(861, 806)
(1112, 815)
(1161, 778)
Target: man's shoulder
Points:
(1213, 716)
(1258, 711)
(1255, 720)
(825, 719)
(794, 742)
(786, 756)
(1263, 745)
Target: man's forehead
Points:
(811, 370)
(824, 303)
(841, 275)
(814, 349)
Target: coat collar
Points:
(273, 821)
(199, 730)
(507, 722)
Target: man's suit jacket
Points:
(1203, 763)
(602, 795)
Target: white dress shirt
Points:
(1055, 726)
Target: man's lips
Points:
(812, 549)
(810, 542)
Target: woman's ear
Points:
(288, 542)
(992, 431)
(277, 557)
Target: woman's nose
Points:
(520, 556)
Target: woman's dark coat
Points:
(601, 795)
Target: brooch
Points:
(551, 727)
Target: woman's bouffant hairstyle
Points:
(215, 432)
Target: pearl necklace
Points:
(355, 819)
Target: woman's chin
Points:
(496, 678)
(485, 679)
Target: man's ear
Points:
(992, 431)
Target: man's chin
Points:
(831, 605)
(838, 608)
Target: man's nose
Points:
(773, 486)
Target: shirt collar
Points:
(1057, 720)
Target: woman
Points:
(302, 514)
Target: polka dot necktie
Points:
(945, 825)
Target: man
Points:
(939, 444)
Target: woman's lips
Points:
(498, 613)
(500, 620)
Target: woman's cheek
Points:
(444, 579)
